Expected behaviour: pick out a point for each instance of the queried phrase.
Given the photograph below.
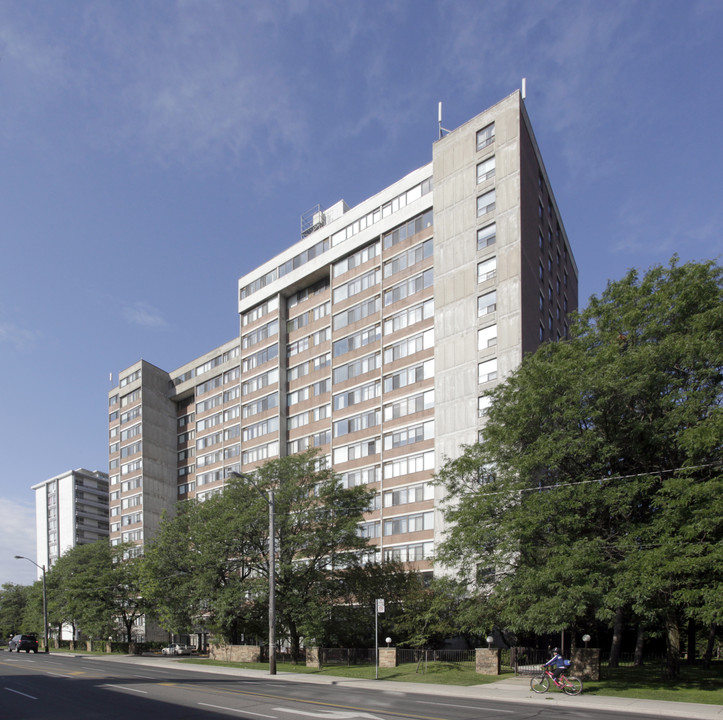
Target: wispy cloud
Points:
(19, 338)
(144, 315)
(17, 538)
(178, 82)
(648, 235)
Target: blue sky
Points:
(153, 152)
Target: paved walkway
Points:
(515, 689)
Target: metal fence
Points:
(527, 661)
(457, 658)
(347, 656)
(422, 658)
(627, 659)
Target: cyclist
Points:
(559, 663)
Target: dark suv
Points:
(23, 642)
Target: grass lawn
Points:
(694, 685)
(438, 672)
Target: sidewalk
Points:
(515, 689)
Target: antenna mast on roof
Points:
(442, 131)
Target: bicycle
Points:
(569, 685)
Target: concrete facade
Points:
(373, 338)
(70, 509)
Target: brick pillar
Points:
(487, 661)
(585, 663)
(313, 658)
(388, 657)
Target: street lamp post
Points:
(272, 569)
(45, 597)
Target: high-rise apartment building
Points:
(70, 509)
(373, 338)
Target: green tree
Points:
(210, 563)
(597, 488)
(96, 587)
(13, 601)
(350, 620)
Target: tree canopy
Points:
(94, 588)
(597, 487)
(13, 603)
(209, 565)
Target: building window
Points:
(409, 436)
(411, 257)
(487, 303)
(486, 236)
(411, 227)
(357, 340)
(485, 136)
(483, 404)
(409, 287)
(409, 376)
(409, 465)
(486, 203)
(487, 270)
(259, 311)
(356, 368)
(262, 333)
(409, 405)
(358, 258)
(488, 370)
(355, 423)
(487, 337)
(409, 524)
(409, 346)
(357, 395)
(486, 170)
(407, 318)
(357, 285)
(358, 312)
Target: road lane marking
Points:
(123, 687)
(17, 692)
(468, 707)
(332, 715)
(47, 672)
(245, 712)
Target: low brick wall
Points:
(487, 661)
(235, 653)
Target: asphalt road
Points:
(83, 688)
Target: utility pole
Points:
(272, 569)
